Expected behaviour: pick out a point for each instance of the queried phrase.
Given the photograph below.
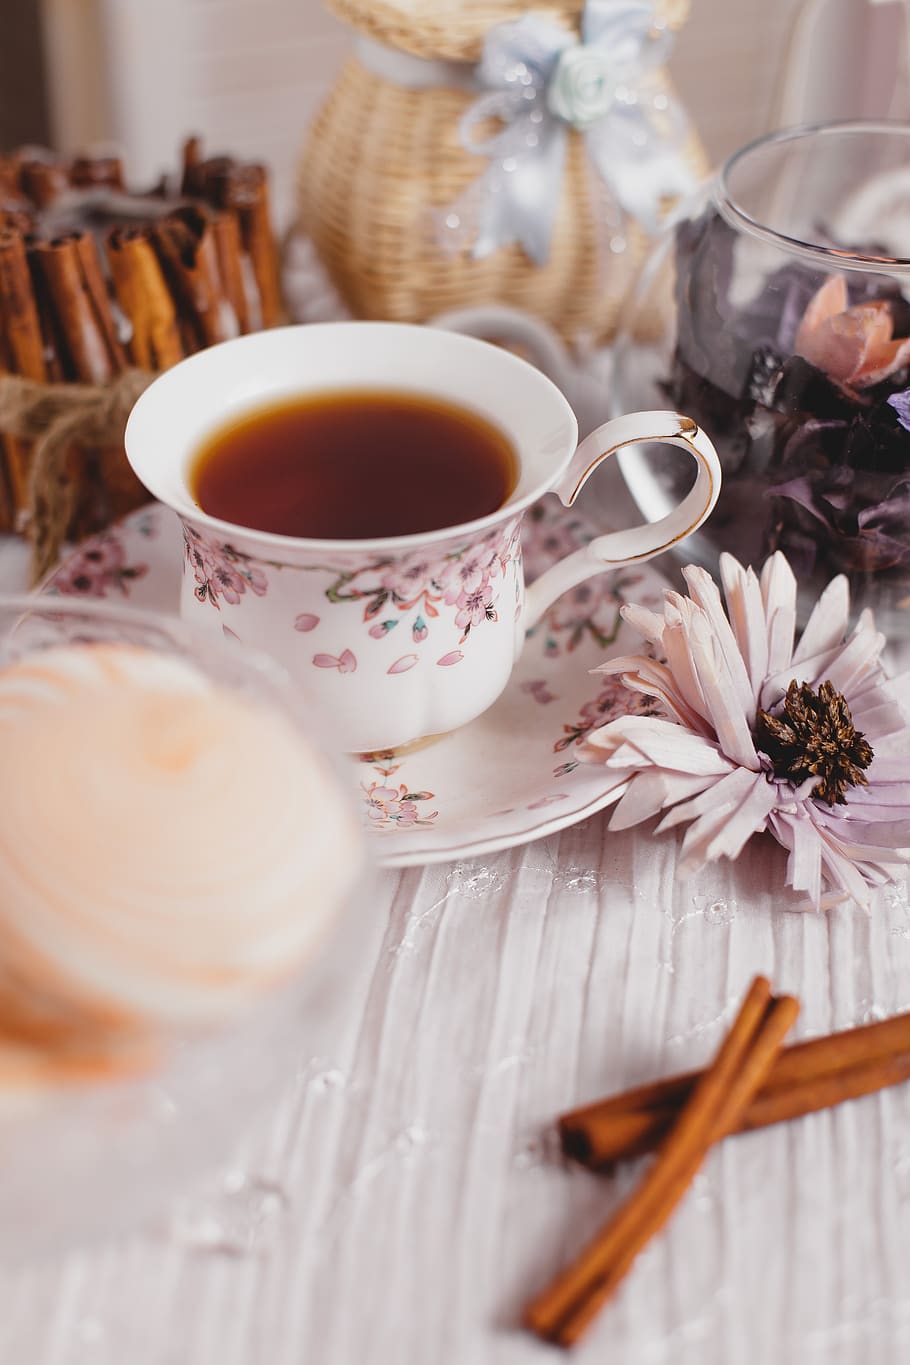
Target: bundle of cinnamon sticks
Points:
(95, 281)
(752, 1082)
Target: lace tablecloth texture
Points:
(404, 1198)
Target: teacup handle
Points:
(638, 543)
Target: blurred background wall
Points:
(24, 114)
(248, 74)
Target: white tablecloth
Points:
(404, 1199)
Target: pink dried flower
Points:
(810, 741)
(854, 346)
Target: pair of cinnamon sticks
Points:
(751, 1083)
(806, 1077)
(239, 190)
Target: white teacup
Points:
(407, 636)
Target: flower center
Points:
(814, 736)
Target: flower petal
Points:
(647, 623)
(722, 704)
(650, 740)
(705, 593)
(827, 624)
(825, 303)
(855, 662)
(775, 687)
(679, 661)
(843, 872)
(652, 791)
(880, 361)
(778, 590)
(747, 617)
(737, 812)
(804, 864)
(880, 721)
(724, 796)
(653, 679)
(402, 665)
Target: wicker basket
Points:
(449, 29)
(380, 158)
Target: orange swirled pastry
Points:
(168, 848)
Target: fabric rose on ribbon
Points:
(540, 83)
(583, 86)
(809, 740)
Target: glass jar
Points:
(776, 312)
(90, 1157)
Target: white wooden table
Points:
(404, 1198)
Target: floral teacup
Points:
(407, 636)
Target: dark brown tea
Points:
(355, 464)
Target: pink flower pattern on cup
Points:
(468, 579)
(220, 571)
(345, 662)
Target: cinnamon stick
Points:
(185, 244)
(563, 1311)
(192, 179)
(80, 304)
(21, 352)
(142, 293)
(51, 335)
(243, 187)
(18, 309)
(807, 1077)
(43, 179)
(229, 251)
(97, 291)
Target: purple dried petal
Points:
(800, 491)
(900, 402)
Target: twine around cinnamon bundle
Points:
(67, 422)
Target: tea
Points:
(354, 464)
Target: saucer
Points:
(512, 775)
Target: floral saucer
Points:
(511, 776)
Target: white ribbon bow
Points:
(541, 83)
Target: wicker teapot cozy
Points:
(481, 152)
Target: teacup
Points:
(409, 636)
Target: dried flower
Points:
(854, 346)
(810, 741)
(815, 737)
